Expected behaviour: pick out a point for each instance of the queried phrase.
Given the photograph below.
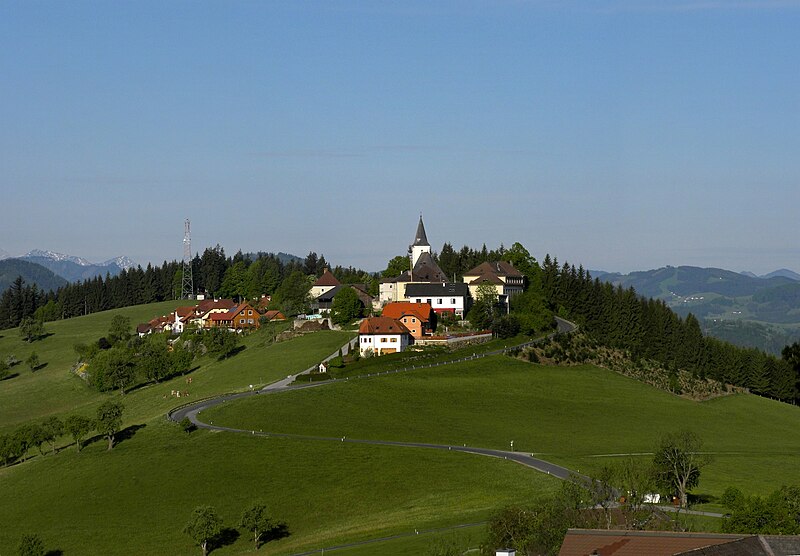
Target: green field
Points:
(136, 498)
(580, 417)
(54, 390)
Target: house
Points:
(506, 279)
(382, 335)
(205, 309)
(422, 269)
(418, 318)
(603, 542)
(324, 302)
(324, 284)
(240, 317)
(270, 316)
(445, 297)
(181, 317)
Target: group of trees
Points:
(16, 446)
(205, 525)
(776, 514)
(648, 328)
(616, 498)
(118, 360)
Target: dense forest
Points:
(648, 328)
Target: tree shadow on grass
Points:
(39, 367)
(56, 552)
(278, 531)
(701, 499)
(9, 377)
(127, 433)
(227, 536)
(235, 351)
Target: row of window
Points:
(439, 301)
(366, 340)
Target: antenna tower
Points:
(187, 283)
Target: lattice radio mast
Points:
(187, 283)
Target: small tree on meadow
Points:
(52, 428)
(203, 526)
(33, 361)
(78, 427)
(109, 420)
(256, 520)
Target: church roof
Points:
(426, 270)
(421, 239)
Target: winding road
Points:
(192, 411)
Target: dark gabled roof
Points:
(455, 289)
(761, 545)
(329, 295)
(426, 270)
(421, 240)
(363, 295)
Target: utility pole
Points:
(187, 283)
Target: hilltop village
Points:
(407, 309)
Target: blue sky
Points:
(622, 135)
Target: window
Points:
(429, 302)
(439, 301)
(393, 340)
(249, 321)
(241, 321)
(384, 340)
(413, 320)
(419, 300)
(249, 312)
(452, 301)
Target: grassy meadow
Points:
(54, 390)
(581, 417)
(136, 498)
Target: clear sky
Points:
(620, 134)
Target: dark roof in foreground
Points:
(442, 289)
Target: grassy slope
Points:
(54, 390)
(137, 498)
(577, 416)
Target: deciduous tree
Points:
(203, 526)
(256, 520)
(109, 420)
(677, 463)
(78, 427)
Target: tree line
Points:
(242, 276)
(649, 329)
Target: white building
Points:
(442, 297)
(382, 335)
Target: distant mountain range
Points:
(60, 269)
(748, 310)
(32, 273)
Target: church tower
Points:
(420, 244)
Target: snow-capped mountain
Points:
(73, 268)
(39, 253)
(122, 262)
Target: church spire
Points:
(421, 240)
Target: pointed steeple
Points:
(421, 240)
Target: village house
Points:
(240, 317)
(382, 335)
(446, 297)
(418, 318)
(324, 284)
(324, 303)
(506, 279)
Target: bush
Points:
(187, 426)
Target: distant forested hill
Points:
(744, 309)
(32, 273)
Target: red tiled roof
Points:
(382, 325)
(216, 317)
(184, 311)
(274, 315)
(327, 279)
(397, 309)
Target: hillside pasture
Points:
(580, 417)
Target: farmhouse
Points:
(418, 318)
(324, 284)
(381, 335)
(240, 317)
